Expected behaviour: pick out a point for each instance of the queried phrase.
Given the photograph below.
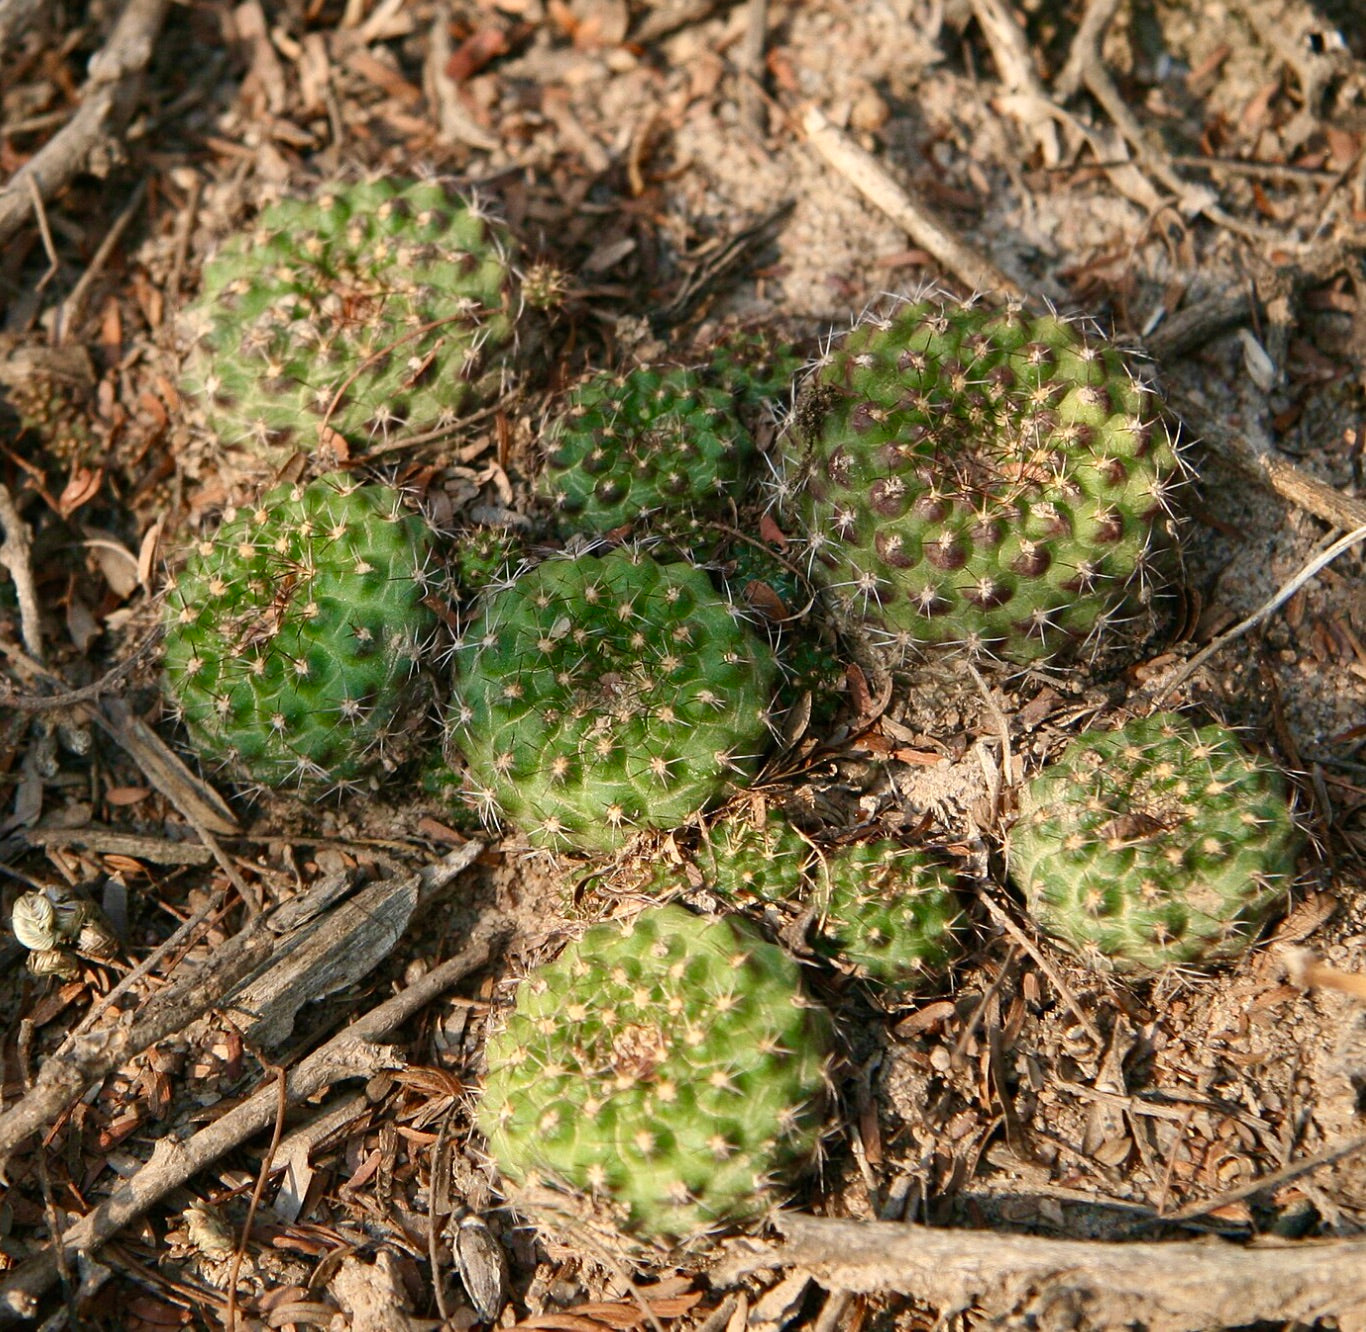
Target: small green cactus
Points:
(370, 308)
(1154, 845)
(294, 634)
(485, 557)
(755, 366)
(978, 479)
(889, 913)
(595, 697)
(672, 1071)
(656, 438)
(886, 913)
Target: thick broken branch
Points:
(107, 101)
(1055, 1284)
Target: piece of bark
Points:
(254, 953)
(110, 842)
(327, 951)
(1026, 1280)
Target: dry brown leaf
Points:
(81, 487)
(126, 795)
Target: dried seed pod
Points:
(482, 1265)
(34, 922)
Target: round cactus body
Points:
(742, 859)
(755, 366)
(977, 478)
(1156, 844)
(485, 557)
(672, 1070)
(597, 697)
(294, 633)
(889, 913)
(656, 438)
(371, 308)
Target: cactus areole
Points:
(597, 697)
(976, 478)
(1157, 844)
(672, 1070)
(294, 633)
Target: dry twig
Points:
(1268, 608)
(1054, 1284)
(107, 101)
(14, 555)
(752, 68)
(867, 175)
(1310, 973)
(355, 1052)
(1025, 100)
(1003, 919)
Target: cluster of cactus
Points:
(670, 1071)
(961, 476)
(373, 307)
(977, 478)
(884, 912)
(295, 633)
(1157, 844)
(49, 391)
(598, 696)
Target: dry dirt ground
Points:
(1189, 171)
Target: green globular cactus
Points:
(656, 438)
(294, 634)
(884, 912)
(595, 697)
(977, 478)
(744, 859)
(889, 913)
(671, 1071)
(755, 366)
(371, 308)
(1156, 844)
(485, 557)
